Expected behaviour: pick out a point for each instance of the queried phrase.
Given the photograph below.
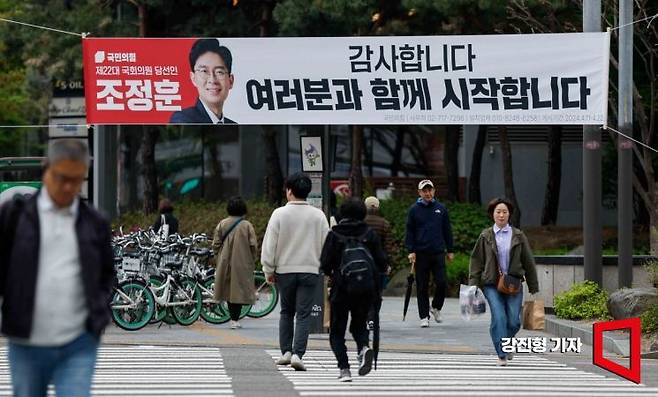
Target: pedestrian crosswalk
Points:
(150, 371)
(413, 374)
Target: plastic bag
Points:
(471, 302)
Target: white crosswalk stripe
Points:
(413, 374)
(150, 371)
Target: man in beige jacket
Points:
(291, 258)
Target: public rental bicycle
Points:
(171, 281)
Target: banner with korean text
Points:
(490, 79)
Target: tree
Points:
(545, 16)
(149, 170)
(274, 177)
(506, 156)
(451, 149)
(552, 195)
(474, 195)
(356, 173)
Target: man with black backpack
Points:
(352, 256)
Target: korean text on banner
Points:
(490, 79)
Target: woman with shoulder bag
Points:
(234, 244)
(501, 260)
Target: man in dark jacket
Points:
(344, 303)
(56, 277)
(383, 229)
(428, 238)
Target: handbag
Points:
(164, 227)
(533, 315)
(508, 284)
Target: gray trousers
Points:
(296, 291)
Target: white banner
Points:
(490, 79)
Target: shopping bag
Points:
(471, 302)
(533, 315)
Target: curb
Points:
(567, 329)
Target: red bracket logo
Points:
(634, 325)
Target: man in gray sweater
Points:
(291, 258)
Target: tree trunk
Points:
(552, 196)
(450, 160)
(141, 16)
(274, 177)
(356, 174)
(396, 164)
(150, 175)
(508, 177)
(653, 227)
(474, 195)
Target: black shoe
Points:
(366, 362)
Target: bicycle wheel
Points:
(210, 311)
(266, 298)
(186, 314)
(132, 305)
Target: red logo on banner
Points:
(634, 325)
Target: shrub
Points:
(651, 268)
(650, 319)
(467, 220)
(584, 300)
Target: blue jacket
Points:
(428, 228)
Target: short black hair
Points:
(300, 185)
(353, 208)
(202, 46)
(236, 206)
(499, 200)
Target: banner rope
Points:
(83, 35)
(652, 17)
(607, 127)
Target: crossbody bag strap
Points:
(230, 229)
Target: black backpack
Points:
(357, 268)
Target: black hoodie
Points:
(332, 250)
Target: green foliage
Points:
(467, 220)
(650, 319)
(584, 300)
(324, 18)
(203, 216)
(457, 270)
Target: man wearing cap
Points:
(383, 229)
(428, 239)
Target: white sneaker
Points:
(501, 362)
(436, 313)
(284, 359)
(297, 363)
(235, 325)
(345, 375)
(424, 323)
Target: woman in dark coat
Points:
(166, 217)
